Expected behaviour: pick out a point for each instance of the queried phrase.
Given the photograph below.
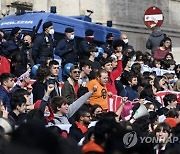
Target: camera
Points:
(51, 81)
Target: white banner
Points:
(154, 17)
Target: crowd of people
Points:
(61, 110)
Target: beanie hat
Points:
(15, 30)
(47, 25)
(69, 30)
(89, 32)
(109, 35)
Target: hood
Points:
(156, 32)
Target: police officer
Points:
(84, 52)
(43, 44)
(108, 47)
(66, 48)
(13, 45)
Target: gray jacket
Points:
(71, 110)
(154, 39)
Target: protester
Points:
(7, 82)
(71, 86)
(122, 93)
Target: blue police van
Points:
(31, 23)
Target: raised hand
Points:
(95, 88)
(50, 88)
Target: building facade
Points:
(126, 15)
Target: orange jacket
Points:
(100, 96)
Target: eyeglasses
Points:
(76, 72)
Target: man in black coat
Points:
(66, 48)
(80, 127)
(84, 52)
(43, 44)
(108, 47)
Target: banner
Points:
(160, 95)
(115, 101)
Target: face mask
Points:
(125, 41)
(71, 37)
(26, 44)
(90, 39)
(110, 42)
(96, 54)
(51, 31)
(133, 58)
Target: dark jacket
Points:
(107, 49)
(76, 132)
(10, 47)
(154, 39)
(16, 87)
(84, 49)
(68, 91)
(5, 97)
(66, 49)
(28, 52)
(130, 93)
(18, 120)
(38, 90)
(42, 48)
(127, 46)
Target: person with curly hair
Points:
(39, 85)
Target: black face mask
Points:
(90, 39)
(26, 45)
(110, 42)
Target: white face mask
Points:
(51, 31)
(133, 58)
(72, 37)
(125, 41)
(96, 54)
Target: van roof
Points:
(29, 20)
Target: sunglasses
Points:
(76, 72)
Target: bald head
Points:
(124, 38)
(28, 41)
(27, 38)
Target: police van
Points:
(31, 23)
